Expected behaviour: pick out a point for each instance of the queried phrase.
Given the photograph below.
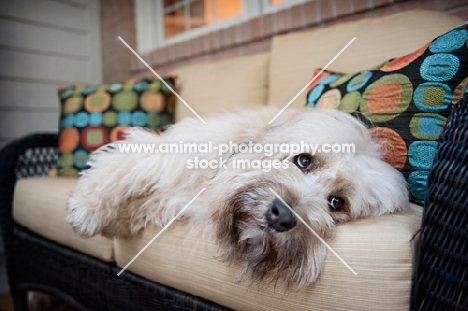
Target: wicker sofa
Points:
(181, 273)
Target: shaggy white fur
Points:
(122, 193)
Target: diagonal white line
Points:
(313, 79)
(160, 232)
(315, 233)
(159, 77)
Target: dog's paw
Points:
(83, 222)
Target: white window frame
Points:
(268, 7)
(149, 17)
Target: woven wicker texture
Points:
(87, 283)
(441, 278)
(35, 263)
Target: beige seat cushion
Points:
(39, 204)
(379, 249)
(295, 57)
(227, 85)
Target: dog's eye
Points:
(303, 161)
(337, 204)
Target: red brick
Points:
(283, 21)
(245, 32)
(134, 63)
(200, 44)
(379, 3)
(159, 57)
(213, 41)
(343, 7)
(233, 35)
(360, 6)
(326, 10)
(225, 54)
(224, 38)
(236, 34)
(171, 53)
(296, 16)
(269, 27)
(462, 13)
(408, 5)
(450, 4)
(184, 49)
(256, 28)
(117, 19)
(257, 47)
(146, 57)
(311, 13)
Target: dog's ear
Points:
(381, 189)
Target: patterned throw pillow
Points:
(92, 116)
(405, 101)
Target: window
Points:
(182, 16)
(164, 22)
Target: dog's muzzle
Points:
(279, 217)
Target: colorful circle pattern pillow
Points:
(405, 101)
(92, 116)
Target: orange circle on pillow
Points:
(384, 98)
(117, 133)
(393, 147)
(68, 140)
(97, 102)
(403, 61)
(317, 80)
(152, 101)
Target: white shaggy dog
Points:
(122, 193)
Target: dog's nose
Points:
(279, 217)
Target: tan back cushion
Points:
(239, 82)
(295, 57)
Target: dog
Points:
(252, 212)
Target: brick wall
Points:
(117, 19)
(251, 37)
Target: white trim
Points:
(147, 34)
(268, 8)
(150, 27)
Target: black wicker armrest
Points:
(33, 155)
(441, 275)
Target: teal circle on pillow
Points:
(329, 79)
(314, 95)
(66, 93)
(164, 88)
(141, 86)
(165, 119)
(80, 158)
(89, 90)
(67, 121)
(95, 118)
(417, 181)
(359, 81)
(138, 118)
(432, 96)
(427, 126)
(116, 87)
(124, 118)
(439, 67)
(154, 119)
(449, 42)
(421, 153)
(80, 119)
